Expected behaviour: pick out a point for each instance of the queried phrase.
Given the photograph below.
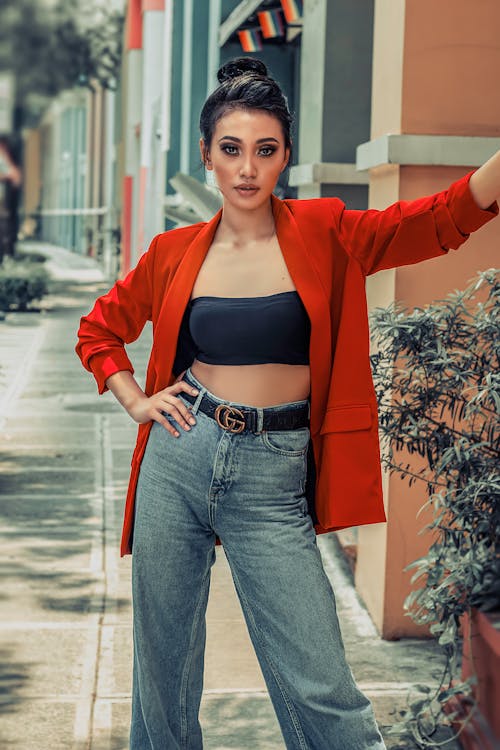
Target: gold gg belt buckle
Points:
(230, 418)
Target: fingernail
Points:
(192, 420)
(194, 391)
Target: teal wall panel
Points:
(173, 155)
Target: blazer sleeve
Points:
(412, 231)
(116, 319)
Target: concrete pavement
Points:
(65, 602)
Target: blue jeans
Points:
(249, 489)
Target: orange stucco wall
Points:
(434, 72)
(450, 70)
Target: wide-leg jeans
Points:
(249, 489)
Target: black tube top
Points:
(246, 330)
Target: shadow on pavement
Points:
(13, 677)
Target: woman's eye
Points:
(233, 150)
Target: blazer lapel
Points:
(300, 263)
(178, 294)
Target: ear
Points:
(286, 159)
(205, 155)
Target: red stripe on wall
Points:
(133, 25)
(126, 229)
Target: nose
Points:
(247, 166)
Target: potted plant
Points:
(437, 377)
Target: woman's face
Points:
(247, 155)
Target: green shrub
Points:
(438, 383)
(21, 284)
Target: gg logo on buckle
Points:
(227, 418)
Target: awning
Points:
(290, 17)
(236, 19)
(194, 201)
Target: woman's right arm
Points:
(143, 409)
(116, 319)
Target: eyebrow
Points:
(238, 140)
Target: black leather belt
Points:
(240, 420)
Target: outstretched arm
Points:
(412, 231)
(485, 182)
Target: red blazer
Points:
(329, 251)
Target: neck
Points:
(243, 226)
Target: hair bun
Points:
(239, 67)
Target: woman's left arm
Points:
(485, 182)
(409, 232)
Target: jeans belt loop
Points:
(197, 403)
(260, 419)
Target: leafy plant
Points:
(21, 284)
(437, 378)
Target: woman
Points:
(258, 424)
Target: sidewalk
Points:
(65, 607)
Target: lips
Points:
(246, 191)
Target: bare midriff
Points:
(229, 271)
(255, 385)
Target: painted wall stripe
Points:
(133, 25)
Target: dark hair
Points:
(245, 84)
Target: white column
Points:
(166, 78)
(213, 45)
(151, 150)
(187, 55)
(132, 153)
(109, 164)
